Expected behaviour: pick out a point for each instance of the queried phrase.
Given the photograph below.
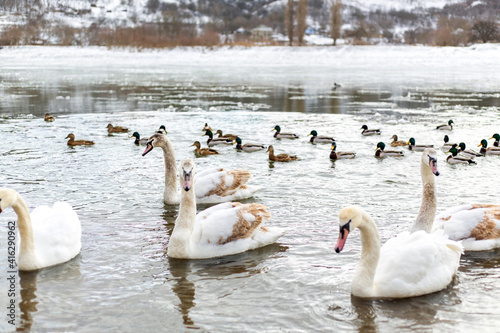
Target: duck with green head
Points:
(334, 155)
(368, 132)
(455, 159)
(447, 144)
(138, 140)
(488, 151)
(216, 141)
(279, 135)
(462, 150)
(248, 147)
(381, 152)
(315, 138)
(412, 146)
(446, 127)
(496, 136)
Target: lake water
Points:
(123, 280)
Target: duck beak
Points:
(149, 147)
(479, 145)
(187, 180)
(343, 233)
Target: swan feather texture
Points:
(48, 236)
(477, 225)
(408, 265)
(225, 229)
(215, 184)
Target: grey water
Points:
(123, 280)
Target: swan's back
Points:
(56, 233)
(416, 264)
(219, 185)
(230, 228)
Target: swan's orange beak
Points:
(343, 232)
(149, 147)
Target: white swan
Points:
(49, 236)
(476, 225)
(214, 185)
(411, 264)
(225, 229)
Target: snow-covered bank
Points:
(476, 67)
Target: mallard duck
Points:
(203, 151)
(207, 128)
(412, 146)
(476, 225)
(212, 142)
(138, 140)
(162, 129)
(380, 152)
(248, 147)
(367, 132)
(225, 136)
(73, 142)
(447, 144)
(488, 151)
(334, 155)
(225, 229)
(396, 143)
(116, 129)
(455, 159)
(496, 136)
(320, 139)
(446, 127)
(49, 235)
(48, 118)
(280, 157)
(280, 135)
(467, 152)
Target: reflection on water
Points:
(27, 305)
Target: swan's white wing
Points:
(477, 225)
(219, 185)
(416, 264)
(57, 233)
(230, 228)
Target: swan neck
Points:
(170, 193)
(427, 211)
(362, 284)
(25, 228)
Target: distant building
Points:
(262, 34)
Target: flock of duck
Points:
(419, 261)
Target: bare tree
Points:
(301, 19)
(289, 20)
(485, 30)
(335, 19)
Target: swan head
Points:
(154, 141)
(380, 146)
(70, 136)
(364, 127)
(313, 133)
(483, 143)
(277, 128)
(429, 158)
(349, 218)
(7, 198)
(411, 141)
(187, 174)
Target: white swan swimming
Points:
(214, 185)
(411, 264)
(49, 236)
(225, 229)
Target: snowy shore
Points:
(475, 67)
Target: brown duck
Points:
(73, 142)
(280, 157)
(48, 117)
(204, 151)
(225, 136)
(395, 142)
(116, 129)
